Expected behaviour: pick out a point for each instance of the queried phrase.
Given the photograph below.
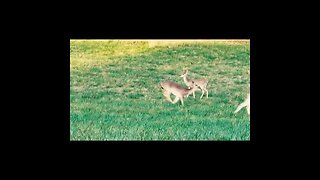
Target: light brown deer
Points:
(180, 92)
(246, 104)
(201, 83)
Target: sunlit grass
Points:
(115, 93)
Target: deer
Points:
(246, 104)
(200, 84)
(180, 92)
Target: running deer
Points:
(200, 83)
(180, 92)
(246, 104)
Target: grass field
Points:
(115, 92)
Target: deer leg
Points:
(181, 99)
(167, 96)
(202, 93)
(240, 107)
(175, 100)
(207, 93)
(248, 107)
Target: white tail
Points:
(175, 89)
(246, 104)
(201, 83)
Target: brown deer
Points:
(200, 83)
(246, 104)
(180, 92)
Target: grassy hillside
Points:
(115, 92)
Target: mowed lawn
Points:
(115, 92)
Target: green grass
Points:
(115, 92)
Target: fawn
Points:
(200, 83)
(180, 92)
